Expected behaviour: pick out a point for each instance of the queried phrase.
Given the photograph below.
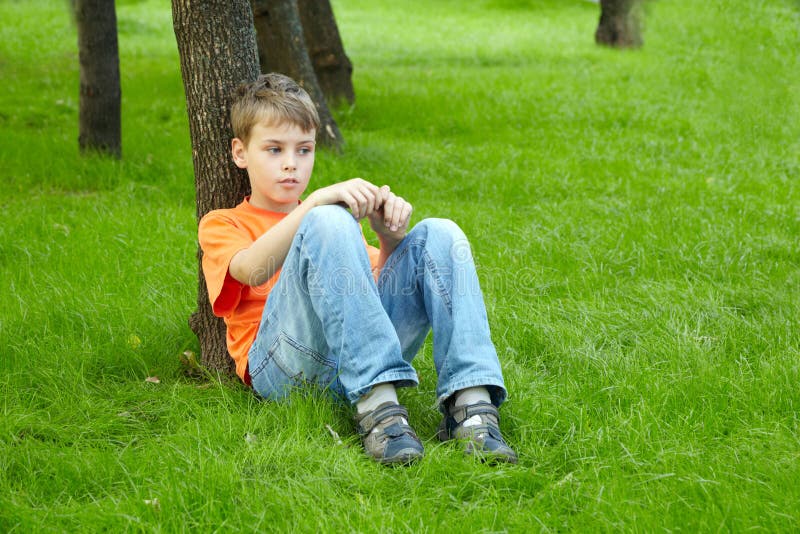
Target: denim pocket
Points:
(288, 364)
(299, 363)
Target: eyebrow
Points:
(279, 142)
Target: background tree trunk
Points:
(98, 54)
(217, 50)
(620, 24)
(332, 66)
(282, 48)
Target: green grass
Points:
(634, 217)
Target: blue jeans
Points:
(327, 322)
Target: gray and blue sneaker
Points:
(483, 438)
(387, 436)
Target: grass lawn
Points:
(634, 216)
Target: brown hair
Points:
(276, 98)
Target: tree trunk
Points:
(98, 54)
(217, 50)
(620, 24)
(282, 48)
(332, 66)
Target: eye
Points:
(273, 150)
(304, 150)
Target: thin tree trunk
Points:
(332, 66)
(620, 24)
(217, 50)
(273, 53)
(98, 54)
(283, 49)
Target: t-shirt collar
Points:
(256, 209)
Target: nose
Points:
(289, 163)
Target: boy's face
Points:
(279, 160)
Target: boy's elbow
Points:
(244, 270)
(239, 270)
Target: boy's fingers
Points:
(378, 198)
(361, 204)
(388, 209)
(397, 210)
(383, 194)
(362, 181)
(365, 193)
(348, 199)
(405, 215)
(373, 198)
(364, 186)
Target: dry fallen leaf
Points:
(152, 380)
(334, 435)
(191, 366)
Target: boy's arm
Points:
(255, 265)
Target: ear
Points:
(239, 153)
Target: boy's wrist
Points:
(311, 200)
(390, 242)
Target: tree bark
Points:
(217, 49)
(282, 48)
(98, 54)
(332, 66)
(620, 24)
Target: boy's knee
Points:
(446, 237)
(444, 228)
(329, 218)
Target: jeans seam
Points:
(394, 259)
(306, 351)
(316, 356)
(326, 299)
(257, 371)
(430, 264)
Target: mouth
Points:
(289, 181)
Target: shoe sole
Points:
(404, 457)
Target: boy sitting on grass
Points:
(327, 321)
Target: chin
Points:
(288, 201)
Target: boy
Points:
(341, 314)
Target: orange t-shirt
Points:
(223, 233)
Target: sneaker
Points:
(484, 439)
(387, 437)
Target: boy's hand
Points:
(390, 220)
(360, 196)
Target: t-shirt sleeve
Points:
(220, 239)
